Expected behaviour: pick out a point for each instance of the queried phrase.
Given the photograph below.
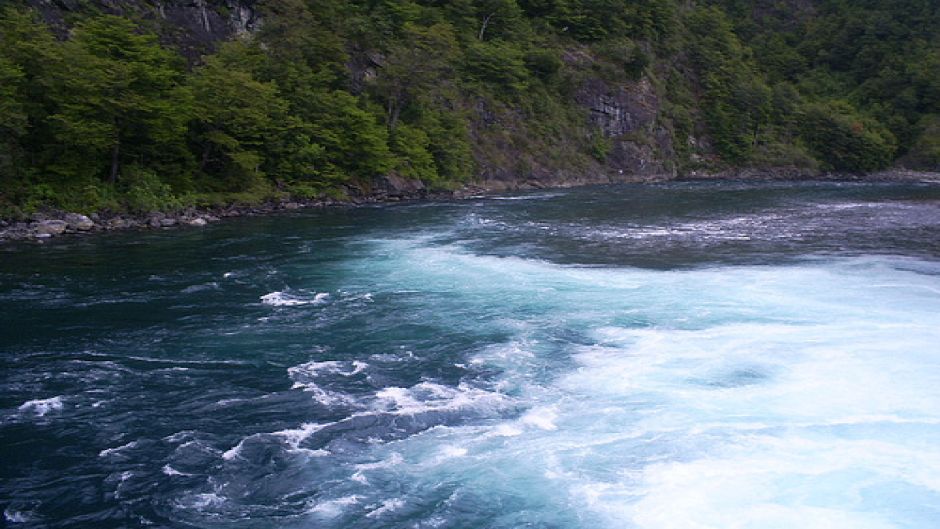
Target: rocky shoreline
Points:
(51, 223)
(48, 224)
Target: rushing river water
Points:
(678, 356)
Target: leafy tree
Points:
(13, 118)
(735, 99)
(118, 97)
(233, 114)
(411, 145)
(28, 54)
(355, 141)
(414, 65)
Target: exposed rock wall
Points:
(194, 27)
(628, 115)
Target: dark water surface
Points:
(687, 355)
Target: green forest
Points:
(107, 113)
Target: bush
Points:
(145, 192)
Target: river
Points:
(721, 355)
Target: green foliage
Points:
(145, 192)
(449, 144)
(118, 97)
(600, 146)
(332, 93)
(735, 100)
(13, 119)
(414, 67)
(355, 142)
(496, 63)
(844, 140)
(925, 153)
(543, 63)
(233, 115)
(626, 55)
(881, 55)
(411, 146)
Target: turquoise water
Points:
(687, 355)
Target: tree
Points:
(413, 65)
(13, 118)
(118, 96)
(233, 115)
(28, 56)
(736, 101)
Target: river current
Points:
(718, 355)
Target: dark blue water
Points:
(687, 355)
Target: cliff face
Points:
(192, 26)
(629, 115)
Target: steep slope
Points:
(143, 104)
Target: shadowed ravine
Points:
(687, 355)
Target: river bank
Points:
(50, 223)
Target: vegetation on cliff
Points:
(329, 94)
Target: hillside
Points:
(141, 105)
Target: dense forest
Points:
(109, 106)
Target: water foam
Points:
(285, 299)
(41, 407)
(750, 397)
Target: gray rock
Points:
(167, 222)
(395, 185)
(79, 222)
(153, 220)
(50, 227)
(198, 222)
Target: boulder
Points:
(167, 222)
(198, 222)
(154, 219)
(79, 222)
(395, 185)
(117, 223)
(50, 227)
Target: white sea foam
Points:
(114, 450)
(284, 299)
(543, 418)
(750, 397)
(170, 471)
(309, 377)
(40, 407)
(386, 507)
(335, 507)
(431, 397)
(12, 516)
(291, 437)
